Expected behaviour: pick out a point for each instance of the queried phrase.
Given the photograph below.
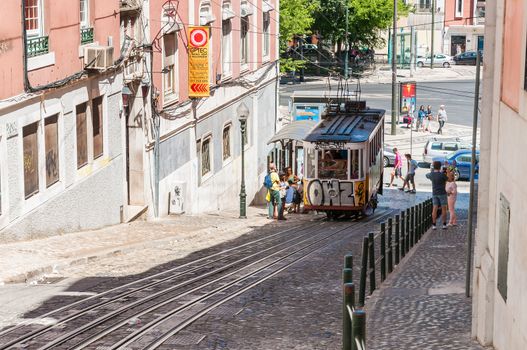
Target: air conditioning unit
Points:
(246, 10)
(98, 57)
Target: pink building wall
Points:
(450, 13)
(62, 25)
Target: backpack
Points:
(268, 183)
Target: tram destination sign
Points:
(329, 145)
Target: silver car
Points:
(440, 60)
(441, 147)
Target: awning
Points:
(297, 130)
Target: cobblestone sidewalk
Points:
(422, 305)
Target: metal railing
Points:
(397, 236)
(353, 319)
(37, 46)
(86, 36)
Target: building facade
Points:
(464, 26)
(499, 282)
(60, 125)
(97, 126)
(199, 138)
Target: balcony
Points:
(37, 46)
(86, 36)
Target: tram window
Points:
(355, 164)
(333, 164)
(310, 164)
(361, 163)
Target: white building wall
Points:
(85, 198)
(496, 321)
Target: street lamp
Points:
(243, 114)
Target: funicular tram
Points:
(343, 168)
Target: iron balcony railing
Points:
(86, 36)
(37, 46)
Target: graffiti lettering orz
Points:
(330, 193)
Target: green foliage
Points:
(290, 65)
(366, 18)
(296, 18)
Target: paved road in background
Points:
(457, 96)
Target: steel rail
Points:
(136, 290)
(191, 319)
(125, 308)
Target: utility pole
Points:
(346, 56)
(394, 70)
(412, 47)
(472, 173)
(432, 36)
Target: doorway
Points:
(134, 159)
(457, 44)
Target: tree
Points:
(366, 20)
(296, 18)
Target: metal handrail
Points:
(37, 46)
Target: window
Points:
(333, 164)
(51, 142)
(33, 18)
(424, 4)
(459, 8)
(30, 141)
(449, 146)
(436, 146)
(244, 36)
(226, 46)
(266, 36)
(84, 13)
(227, 142)
(82, 136)
(97, 126)
(169, 64)
(205, 157)
(310, 163)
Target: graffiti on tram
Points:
(334, 193)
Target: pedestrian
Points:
(290, 175)
(421, 115)
(397, 167)
(272, 182)
(410, 174)
(283, 192)
(429, 116)
(439, 194)
(451, 191)
(290, 197)
(441, 118)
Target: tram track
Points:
(127, 290)
(150, 306)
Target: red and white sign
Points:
(198, 37)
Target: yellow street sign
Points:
(198, 62)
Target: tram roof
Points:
(347, 127)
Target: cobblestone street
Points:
(423, 304)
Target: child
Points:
(451, 190)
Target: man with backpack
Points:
(272, 183)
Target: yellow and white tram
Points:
(343, 167)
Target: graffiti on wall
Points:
(334, 193)
(4, 46)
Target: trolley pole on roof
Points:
(394, 70)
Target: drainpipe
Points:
(156, 119)
(27, 85)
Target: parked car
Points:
(441, 147)
(440, 60)
(467, 58)
(462, 161)
(389, 156)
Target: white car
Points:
(441, 147)
(440, 60)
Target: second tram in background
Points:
(343, 161)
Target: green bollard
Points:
(358, 327)
(397, 243)
(407, 234)
(383, 251)
(390, 245)
(371, 256)
(363, 271)
(347, 275)
(349, 301)
(348, 261)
